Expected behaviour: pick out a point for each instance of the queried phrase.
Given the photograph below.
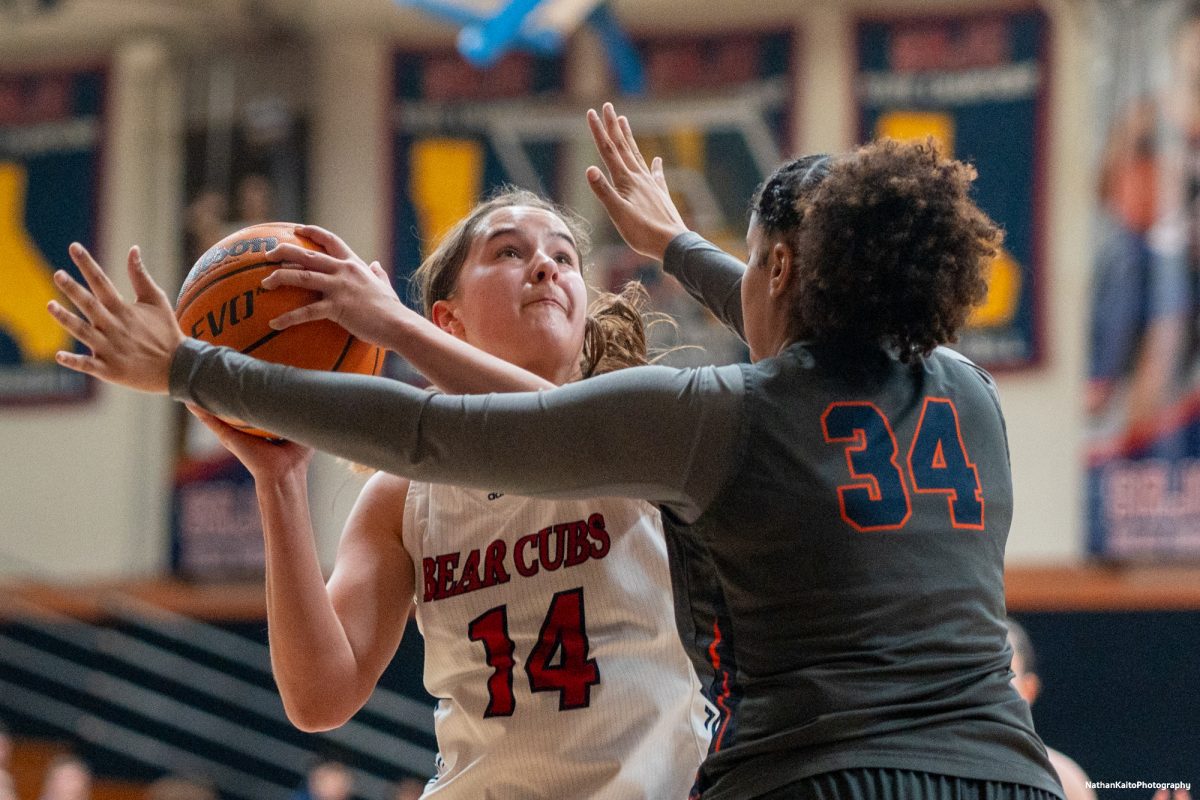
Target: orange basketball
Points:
(223, 302)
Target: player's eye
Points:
(566, 259)
(508, 252)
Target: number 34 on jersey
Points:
(936, 461)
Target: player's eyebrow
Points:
(513, 229)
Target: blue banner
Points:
(51, 125)
(976, 83)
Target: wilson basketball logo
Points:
(223, 302)
(224, 250)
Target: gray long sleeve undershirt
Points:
(664, 435)
(710, 275)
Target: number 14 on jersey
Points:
(563, 632)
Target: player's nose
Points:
(545, 268)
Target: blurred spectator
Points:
(180, 787)
(204, 223)
(408, 789)
(1028, 685)
(327, 780)
(255, 200)
(67, 778)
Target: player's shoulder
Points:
(951, 356)
(386, 483)
(385, 491)
(959, 367)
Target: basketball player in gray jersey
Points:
(837, 510)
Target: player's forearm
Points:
(311, 658)
(710, 275)
(453, 365)
(663, 435)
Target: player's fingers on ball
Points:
(87, 304)
(303, 258)
(296, 275)
(313, 311)
(330, 241)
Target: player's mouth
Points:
(547, 301)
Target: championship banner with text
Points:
(976, 83)
(51, 127)
(1143, 393)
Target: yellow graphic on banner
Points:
(25, 282)
(913, 125)
(1004, 282)
(1004, 294)
(688, 147)
(446, 178)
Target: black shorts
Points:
(901, 784)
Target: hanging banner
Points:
(51, 125)
(975, 82)
(717, 109)
(1143, 393)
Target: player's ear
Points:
(445, 316)
(781, 262)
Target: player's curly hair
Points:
(889, 249)
(615, 331)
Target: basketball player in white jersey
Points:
(550, 641)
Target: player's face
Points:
(520, 294)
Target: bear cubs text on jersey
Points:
(566, 544)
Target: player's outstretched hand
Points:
(356, 295)
(132, 343)
(634, 194)
(267, 461)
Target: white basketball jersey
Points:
(550, 644)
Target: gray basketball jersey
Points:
(847, 585)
